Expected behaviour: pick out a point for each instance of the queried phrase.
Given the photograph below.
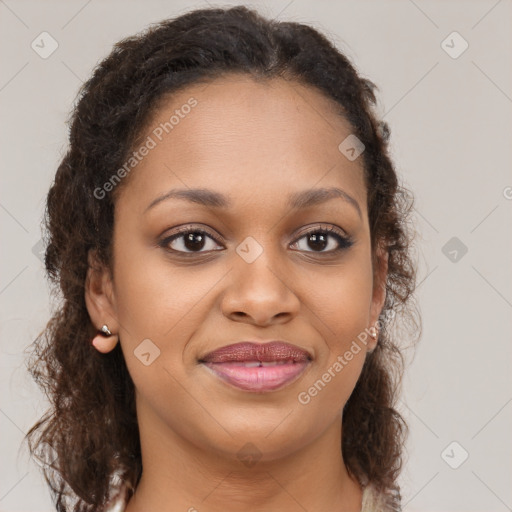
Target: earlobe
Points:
(105, 343)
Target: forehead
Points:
(245, 136)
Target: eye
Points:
(324, 240)
(190, 240)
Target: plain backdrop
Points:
(449, 108)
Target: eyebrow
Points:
(296, 200)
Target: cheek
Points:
(162, 303)
(343, 309)
(341, 300)
(340, 303)
(152, 295)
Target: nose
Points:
(260, 293)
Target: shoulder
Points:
(375, 500)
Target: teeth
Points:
(254, 364)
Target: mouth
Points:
(258, 367)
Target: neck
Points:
(181, 476)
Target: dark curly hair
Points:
(90, 436)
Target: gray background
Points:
(451, 140)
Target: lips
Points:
(274, 351)
(258, 367)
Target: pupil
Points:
(192, 239)
(319, 240)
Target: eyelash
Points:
(344, 242)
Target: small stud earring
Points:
(106, 330)
(374, 335)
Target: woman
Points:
(229, 236)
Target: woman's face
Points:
(264, 269)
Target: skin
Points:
(255, 142)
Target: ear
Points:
(380, 273)
(100, 302)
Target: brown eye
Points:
(190, 241)
(323, 241)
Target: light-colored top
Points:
(373, 501)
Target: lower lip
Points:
(259, 378)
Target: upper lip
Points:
(252, 351)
